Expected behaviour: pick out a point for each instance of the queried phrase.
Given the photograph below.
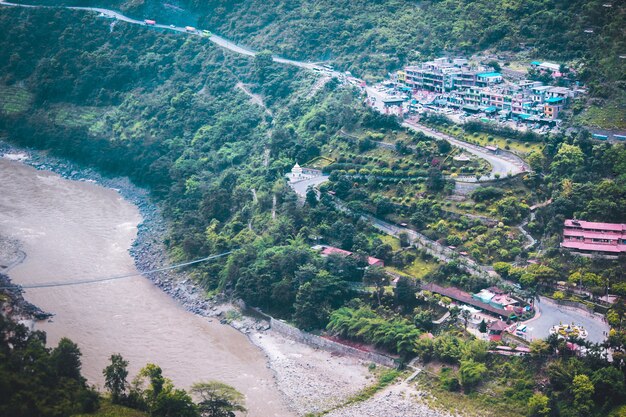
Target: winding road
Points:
(502, 165)
(216, 39)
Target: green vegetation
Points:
(163, 109)
(107, 409)
(14, 99)
(40, 381)
(385, 378)
(609, 115)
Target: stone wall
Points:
(321, 343)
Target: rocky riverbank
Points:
(311, 380)
(147, 250)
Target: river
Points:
(75, 230)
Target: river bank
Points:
(147, 251)
(309, 380)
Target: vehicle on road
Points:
(190, 28)
(172, 26)
(149, 22)
(206, 32)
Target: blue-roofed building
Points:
(554, 100)
(485, 79)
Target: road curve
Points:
(216, 39)
(502, 165)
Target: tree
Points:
(311, 197)
(377, 277)
(66, 358)
(262, 63)
(158, 395)
(218, 399)
(317, 298)
(582, 389)
(609, 386)
(538, 406)
(482, 327)
(539, 347)
(115, 376)
(435, 181)
(465, 315)
(471, 373)
(405, 242)
(568, 160)
(423, 318)
(405, 293)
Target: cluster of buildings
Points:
(493, 305)
(325, 250)
(589, 238)
(492, 301)
(474, 89)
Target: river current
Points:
(72, 230)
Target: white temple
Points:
(296, 171)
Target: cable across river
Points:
(115, 277)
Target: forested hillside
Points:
(370, 38)
(169, 111)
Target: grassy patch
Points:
(483, 139)
(418, 269)
(483, 403)
(609, 116)
(392, 241)
(385, 377)
(80, 117)
(14, 99)
(319, 162)
(109, 410)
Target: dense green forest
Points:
(165, 110)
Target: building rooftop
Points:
(464, 297)
(614, 227)
(489, 74)
(595, 247)
(331, 250)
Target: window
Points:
(601, 240)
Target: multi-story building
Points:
(473, 88)
(608, 239)
(442, 75)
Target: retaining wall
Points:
(321, 343)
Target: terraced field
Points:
(14, 99)
(76, 116)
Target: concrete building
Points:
(587, 238)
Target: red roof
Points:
(497, 326)
(466, 298)
(592, 235)
(613, 227)
(330, 250)
(597, 247)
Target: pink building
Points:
(593, 237)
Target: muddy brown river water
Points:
(74, 230)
